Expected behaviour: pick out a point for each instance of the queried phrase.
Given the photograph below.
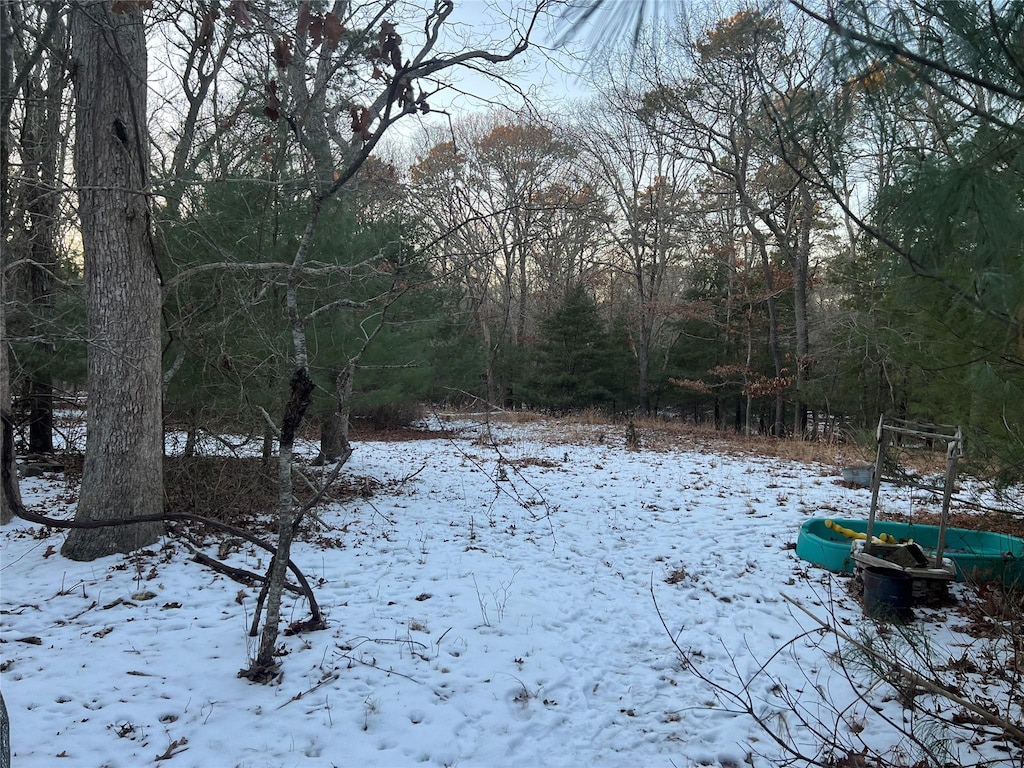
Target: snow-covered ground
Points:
(473, 620)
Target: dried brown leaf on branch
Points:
(361, 119)
(272, 108)
(303, 21)
(316, 32)
(333, 30)
(730, 369)
(127, 6)
(406, 97)
(390, 41)
(691, 384)
(318, 28)
(768, 386)
(283, 51)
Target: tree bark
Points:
(264, 666)
(800, 262)
(5, 735)
(8, 466)
(334, 433)
(42, 151)
(123, 474)
(774, 344)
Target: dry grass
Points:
(663, 434)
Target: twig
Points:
(176, 746)
(80, 613)
(374, 665)
(742, 698)
(329, 679)
(1012, 731)
(499, 488)
(34, 517)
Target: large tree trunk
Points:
(123, 475)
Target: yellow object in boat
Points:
(883, 538)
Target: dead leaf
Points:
(333, 30)
(272, 108)
(390, 41)
(283, 51)
(316, 31)
(361, 119)
(127, 6)
(406, 95)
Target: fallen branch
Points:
(19, 510)
(391, 671)
(240, 575)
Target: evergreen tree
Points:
(959, 223)
(572, 361)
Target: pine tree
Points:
(572, 362)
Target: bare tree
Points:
(650, 196)
(22, 45)
(742, 95)
(42, 153)
(396, 87)
(494, 205)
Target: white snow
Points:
(472, 621)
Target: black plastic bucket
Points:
(888, 594)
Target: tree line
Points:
(774, 221)
(780, 220)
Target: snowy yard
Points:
(473, 620)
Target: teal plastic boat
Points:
(978, 555)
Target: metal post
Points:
(953, 454)
(882, 441)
